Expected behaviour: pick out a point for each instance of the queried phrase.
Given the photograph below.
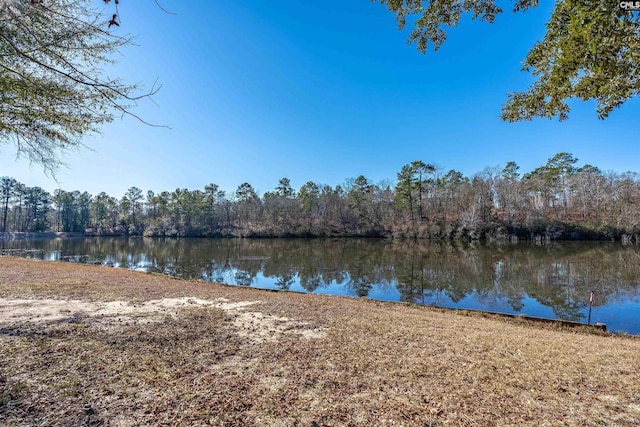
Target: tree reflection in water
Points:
(554, 279)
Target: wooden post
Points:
(590, 307)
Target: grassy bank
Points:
(84, 345)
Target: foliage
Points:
(53, 90)
(555, 200)
(590, 51)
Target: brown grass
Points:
(374, 364)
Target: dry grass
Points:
(365, 363)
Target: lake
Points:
(552, 280)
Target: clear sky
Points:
(257, 90)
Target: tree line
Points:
(557, 200)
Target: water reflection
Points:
(552, 280)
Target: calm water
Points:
(552, 280)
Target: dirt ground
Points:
(84, 345)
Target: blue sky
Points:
(324, 91)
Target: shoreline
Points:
(596, 326)
(532, 235)
(365, 362)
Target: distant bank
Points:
(553, 231)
